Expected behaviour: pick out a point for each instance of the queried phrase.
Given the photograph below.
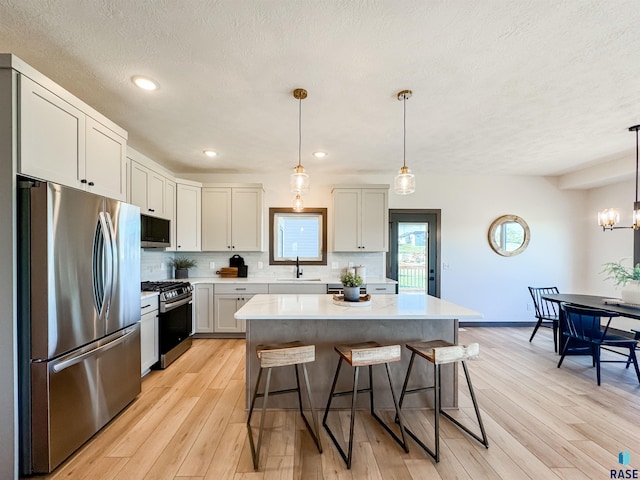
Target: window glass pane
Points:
(412, 257)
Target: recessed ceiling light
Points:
(210, 153)
(320, 154)
(145, 83)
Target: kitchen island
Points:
(317, 320)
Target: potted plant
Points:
(351, 283)
(182, 266)
(627, 278)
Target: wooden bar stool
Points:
(440, 352)
(280, 355)
(362, 355)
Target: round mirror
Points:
(509, 235)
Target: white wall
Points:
(477, 278)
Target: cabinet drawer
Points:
(148, 304)
(317, 288)
(241, 288)
(381, 288)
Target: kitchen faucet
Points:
(298, 271)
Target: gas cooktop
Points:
(162, 286)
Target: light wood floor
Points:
(543, 423)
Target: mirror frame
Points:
(272, 215)
(499, 222)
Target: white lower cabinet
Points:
(228, 299)
(381, 288)
(149, 348)
(203, 313)
(300, 288)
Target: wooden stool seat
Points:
(441, 352)
(365, 354)
(368, 353)
(282, 354)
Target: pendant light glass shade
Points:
(608, 217)
(405, 181)
(298, 204)
(299, 182)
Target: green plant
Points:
(351, 279)
(620, 274)
(182, 262)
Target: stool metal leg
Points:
(484, 439)
(438, 410)
(255, 450)
(345, 456)
(315, 432)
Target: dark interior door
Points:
(414, 250)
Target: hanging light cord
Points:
(404, 132)
(636, 164)
(300, 134)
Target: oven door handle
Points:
(178, 303)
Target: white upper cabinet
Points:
(148, 190)
(361, 218)
(188, 218)
(232, 219)
(105, 161)
(170, 212)
(60, 143)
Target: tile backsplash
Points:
(154, 264)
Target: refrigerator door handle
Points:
(113, 263)
(106, 264)
(70, 362)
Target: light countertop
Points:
(277, 280)
(383, 307)
(148, 294)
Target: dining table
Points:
(609, 304)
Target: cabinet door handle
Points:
(84, 180)
(151, 210)
(240, 289)
(381, 288)
(91, 184)
(146, 306)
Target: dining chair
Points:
(546, 312)
(589, 327)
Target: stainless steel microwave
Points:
(154, 232)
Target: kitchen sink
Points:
(298, 279)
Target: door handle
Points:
(64, 364)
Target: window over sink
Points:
(297, 234)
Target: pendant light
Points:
(299, 179)
(405, 182)
(298, 204)
(608, 217)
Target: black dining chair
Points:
(546, 312)
(589, 328)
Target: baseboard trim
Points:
(497, 324)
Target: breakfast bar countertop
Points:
(315, 307)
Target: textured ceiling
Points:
(499, 87)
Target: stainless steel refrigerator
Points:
(79, 301)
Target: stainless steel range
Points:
(174, 322)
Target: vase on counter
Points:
(182, 273)
(351, 294)
(630, 293)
